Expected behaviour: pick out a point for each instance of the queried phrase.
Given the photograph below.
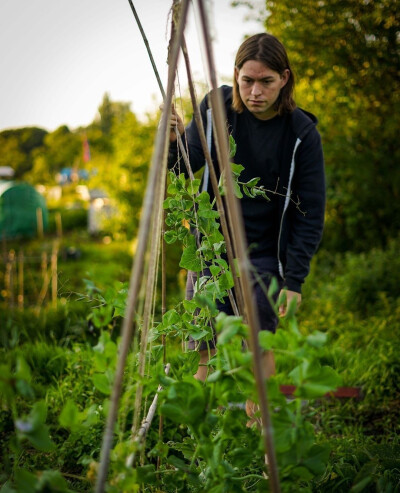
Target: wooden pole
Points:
(152, 190)
(149, 294)
(54, 273)
(146, 423)
(238, 232)
(39, 222)
(214, 183)
(9, 278)
(59, 225)
(179, 138)
(46, 281)
(21, 280)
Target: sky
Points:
(59, 57)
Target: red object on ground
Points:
(340, 392)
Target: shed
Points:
(19, 202)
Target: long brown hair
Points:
(270, 51)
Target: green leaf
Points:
(69, 417)
(237, 190)
(40, 439)
(208, 213)
(247, 192)
(317, 458)
(171, 317)
(266, 339)
(146, 474)
(252, 183)
(6, 488)
(273, 287)
(317, 339)
(102, 383)
(177, 462)
(361, 485)
(213, 377)
(25, 481)
(23, 370)
(189, 259)
(193, 186)
(200, 334)
(205, 300)
(189, 305)
(302, 473)
(232, 147)
(226, 281)
(170, 237)
(38, 413)
(52, 481)
(237, 169)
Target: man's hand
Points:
(176, 123)
(288, 298)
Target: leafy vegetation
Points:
(57, 363)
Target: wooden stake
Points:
(46, 282)
(214, 183)
(39, 222)
(179, 138)
(238, 233)
(59, 225)
(150, 295)
(21, 280)
(146, 423)
(9, 278)
(54, 273)
(153, 190)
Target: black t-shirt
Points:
(259, 150)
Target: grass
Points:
(58, 347)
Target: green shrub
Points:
(59, 325)
(71, 219)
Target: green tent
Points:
(18, 209)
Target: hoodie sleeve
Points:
(305, 223)
(192, 143)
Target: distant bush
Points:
(371, 280)
(357, 283)
(58, 325)
(71, 219)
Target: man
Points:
(279, 143)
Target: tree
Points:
(18, 147)
(61, 149)
(109, 112)
(346, 56)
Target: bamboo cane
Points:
(214, 183)
(237, 228)
(163, 310)
(150, 294)
(157, 168)
(146, 423)
(179, 139)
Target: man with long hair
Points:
(278, 142)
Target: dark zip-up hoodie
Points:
(301, 179)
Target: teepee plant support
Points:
(153, 190)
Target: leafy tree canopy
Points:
(345, 54)
(18, 146)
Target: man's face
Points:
(259, 88)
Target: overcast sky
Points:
(59, 57)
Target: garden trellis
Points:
(152, 214)
(151, 244)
